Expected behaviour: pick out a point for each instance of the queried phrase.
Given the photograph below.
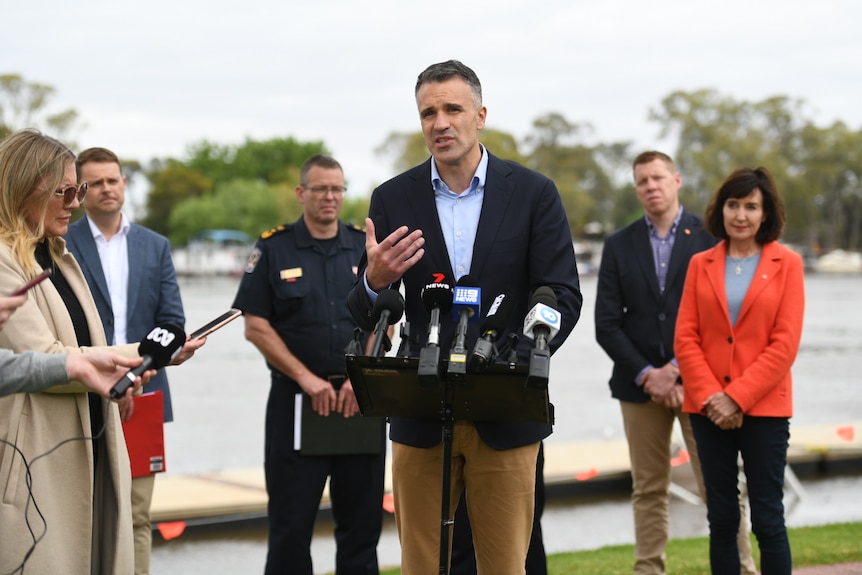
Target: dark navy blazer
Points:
(522, 242)
(635, 322)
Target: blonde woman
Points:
(69, 512)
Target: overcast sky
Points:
(150, 77)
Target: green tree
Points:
(559, 151)
(503, 145)
(266, 161)
(406, 148)
(250, 206)
(172, 183)
(619, 205)
(717, 134)
(830, 187)
(817, 169)
(355, 210)
(271, 163)
(24, 104)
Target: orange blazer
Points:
(751, 361)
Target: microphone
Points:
(485, 350)
(512, 342)
(437, 297)
(466, 304)
(355, 346)
(541, 324)
(161, 345)
(404, 346)
(389, 308)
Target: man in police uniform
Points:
(294, 299)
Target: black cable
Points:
(28, 480)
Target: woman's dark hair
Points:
(740, 184)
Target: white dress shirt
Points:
(114, 255)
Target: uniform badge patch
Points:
(253, 258)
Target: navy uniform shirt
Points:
(300, 285)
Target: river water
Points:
(220, 396)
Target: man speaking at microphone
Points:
(466, 212)
(293, 298)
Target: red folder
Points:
(145, 435)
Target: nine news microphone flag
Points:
(466, 305)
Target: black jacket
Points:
(635, 323)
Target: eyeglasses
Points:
(322, 190)
(69, 193)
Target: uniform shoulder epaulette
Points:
(355, 228)
(274, 231)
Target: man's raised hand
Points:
(390, 258)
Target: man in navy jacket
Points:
(466, 212)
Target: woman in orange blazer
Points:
(737, 334)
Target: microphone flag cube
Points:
(467, 297)
(542, 314)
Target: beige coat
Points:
(79, 533)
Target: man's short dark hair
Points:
(443, 71)
(99, 155)
(651, 155)
(320, 160)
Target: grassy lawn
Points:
(825, 545)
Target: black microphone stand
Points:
(355, 345)
(404, 335)
(448, 433)
(381, 343)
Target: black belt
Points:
(336, 380)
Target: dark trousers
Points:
(295, 484)
(463, 557)
(762, 441)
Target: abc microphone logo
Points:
(161, 336)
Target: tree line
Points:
(249, 186)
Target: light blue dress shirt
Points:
(459, 218)
(459, 215)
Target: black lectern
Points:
(389, 387)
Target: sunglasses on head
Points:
(69, 193)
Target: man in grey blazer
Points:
(133, 281)
(639, 289)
